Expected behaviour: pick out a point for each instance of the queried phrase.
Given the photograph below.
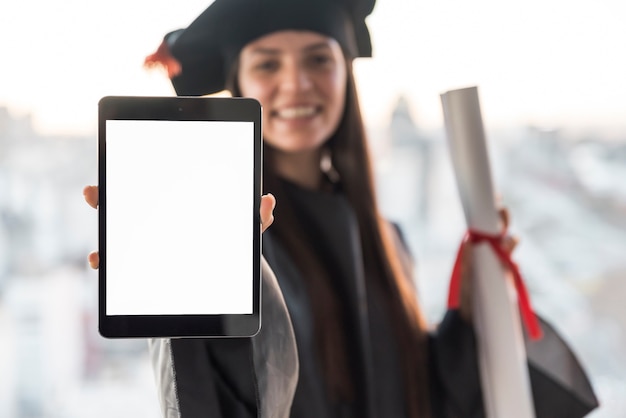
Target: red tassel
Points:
(495, 241)
(163, 58)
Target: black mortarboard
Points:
(208, 47)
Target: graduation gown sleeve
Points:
(560, 386)
(231, 378)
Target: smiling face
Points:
(300, 79)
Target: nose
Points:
(296, 78)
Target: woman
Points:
(363, 349)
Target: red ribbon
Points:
(495, 241)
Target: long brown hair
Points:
(350, 157)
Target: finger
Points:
(509, 243)
(94, 260)
(91, 195)
(505, 217)
(268, 203)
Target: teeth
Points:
(296, 112)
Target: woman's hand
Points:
(268, 202)
(508, 243)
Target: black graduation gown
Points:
(232, 378)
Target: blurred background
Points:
(551, 80)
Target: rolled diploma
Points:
(502, 356)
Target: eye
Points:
(320, 60)
(267, 65)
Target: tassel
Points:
(163, 58)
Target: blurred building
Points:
(48, 296)
(567, 198)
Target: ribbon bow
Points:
(495, 241)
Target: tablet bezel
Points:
(183, 109)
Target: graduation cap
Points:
(199, 57)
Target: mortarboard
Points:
(204, 52)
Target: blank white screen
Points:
(179, 214)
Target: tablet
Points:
(179, 224)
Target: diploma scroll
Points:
(502, 357)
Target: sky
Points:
(549, 63)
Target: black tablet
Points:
(179, 224)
